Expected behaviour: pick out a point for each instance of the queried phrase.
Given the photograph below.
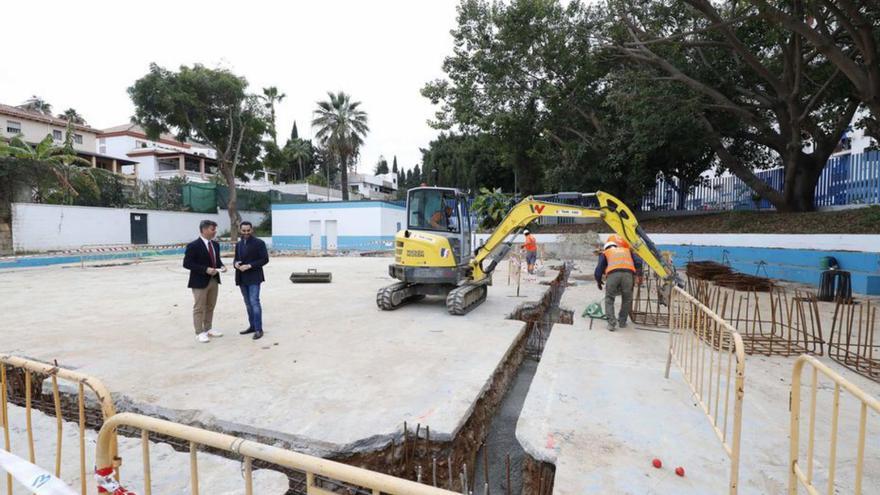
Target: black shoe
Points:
(245, 332)
(258, 334)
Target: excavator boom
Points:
(611, 210)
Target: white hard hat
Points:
(526, 232)
(608, 245)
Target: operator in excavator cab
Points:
(620, 269)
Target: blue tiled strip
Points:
(796, 265)
(35, 261)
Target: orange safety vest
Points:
(531, 243)
(619, 258)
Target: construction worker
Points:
(618, 267)
(531, 249)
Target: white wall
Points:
(39, 227)
(390, 218)
(349, 221)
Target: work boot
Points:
(611, 326)
(245, 332)
(622, 323)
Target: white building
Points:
(33, 127)
(162, 158)
(336, 225)
(382, 186)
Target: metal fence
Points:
(17, 377)
(846, 179)
(323, 477)
(710, 354)
(800, 475)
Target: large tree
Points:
(341, 127)
(846, 33)
(207, 105)
(760, 85)
(271, 96)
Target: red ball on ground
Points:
(679, 471)
(657, 464)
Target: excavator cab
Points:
(441, 211)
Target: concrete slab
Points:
(600, 410)
(333, 375)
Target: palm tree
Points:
(61, 161)
(341, 129)
(72, 115)
(37, 104)
(298, 151)
(272, 96)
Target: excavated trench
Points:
(412, 454)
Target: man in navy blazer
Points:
(250, 256)
(202, 259)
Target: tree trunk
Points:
(232, 204)
(343, 170)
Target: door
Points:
(315, 235)
(330, 229)
(139, 228)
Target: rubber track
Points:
(456, 300)
(384, 297)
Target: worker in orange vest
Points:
(619, 267)
(531, 249)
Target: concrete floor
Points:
(600, 410)
(332, 375)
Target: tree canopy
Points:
(208, 105)
(613, 94)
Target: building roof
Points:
(166, 153)
(40, 117)
(324, 205)
(131, 129)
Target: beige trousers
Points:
(203, 307)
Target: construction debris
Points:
(312, 276)
(741, 281)
(706, 270)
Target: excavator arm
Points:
(611, 210)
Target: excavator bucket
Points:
(311, 276)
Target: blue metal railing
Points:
(846, 179)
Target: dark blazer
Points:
(253, 253)
(196, 259)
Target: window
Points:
(78, 138)
(56, 134)
(433, 209)
(13, 127)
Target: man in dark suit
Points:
(202, 259)
(250, 256)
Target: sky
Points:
(85, 54)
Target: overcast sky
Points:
(84, 54)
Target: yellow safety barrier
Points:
(797, 476)
(318, 471)
(29, 368)
(710, 354)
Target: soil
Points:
(854, 221)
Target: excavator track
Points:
(463, 299)
(393, 296)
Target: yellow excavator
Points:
(434, 255)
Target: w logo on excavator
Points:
(537, 208)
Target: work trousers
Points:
(618, 283)
(203, 306)
(251, 295)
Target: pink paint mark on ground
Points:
(426, 415)
(551, 442)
